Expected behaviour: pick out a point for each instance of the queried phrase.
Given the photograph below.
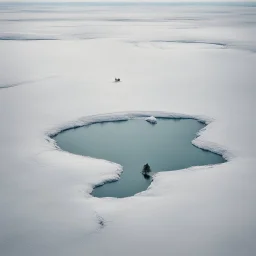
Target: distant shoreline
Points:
(116, 3)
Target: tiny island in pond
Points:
(146, 171)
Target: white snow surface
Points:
(50, 85)
(151, 120)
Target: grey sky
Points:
(129, 1)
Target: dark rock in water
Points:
(146, 176)
(146, 169)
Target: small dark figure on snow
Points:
(117, 80)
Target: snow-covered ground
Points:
(188, 60)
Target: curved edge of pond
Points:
(126, 116)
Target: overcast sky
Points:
(127, 1)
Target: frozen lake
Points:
(165, 146)
(58, 62)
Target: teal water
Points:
(165, 146)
